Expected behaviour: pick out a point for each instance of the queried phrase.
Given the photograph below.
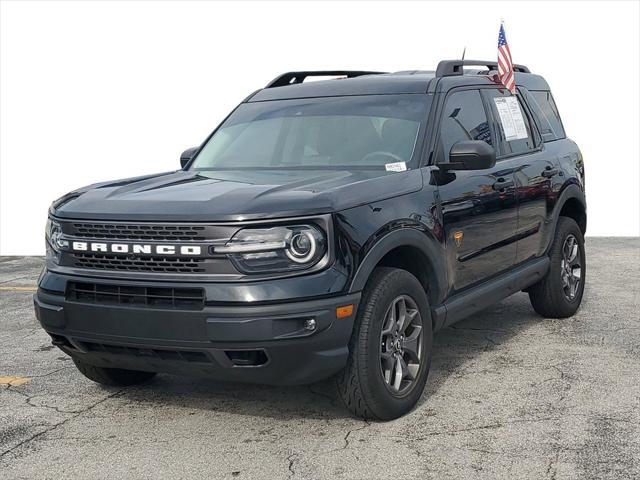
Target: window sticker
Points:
(395, 167)
(511, 118)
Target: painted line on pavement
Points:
(13, 380)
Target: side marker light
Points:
(344, 311)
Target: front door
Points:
(479, 207)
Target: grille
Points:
(154, 297)
(138, 231)
(160, 354)
(139, 264)
(146, 265)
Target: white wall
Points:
(92, 91)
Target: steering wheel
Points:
(382, 152)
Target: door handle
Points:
(501, 184)
(550, 172)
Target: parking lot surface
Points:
(510, 395)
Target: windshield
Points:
(356, 132)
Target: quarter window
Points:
(463, 118)
(544, 108)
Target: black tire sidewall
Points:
(566, 227)
(392, 283)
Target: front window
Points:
(357, 132)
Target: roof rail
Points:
(451, 68)
(291, 78)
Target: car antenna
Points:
(463, 52)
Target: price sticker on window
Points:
(511, 118)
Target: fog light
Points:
(310, 325)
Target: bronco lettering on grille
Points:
(137, 248)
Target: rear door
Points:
(479, 207)
(534, 170)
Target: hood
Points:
(233, 195)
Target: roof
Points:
(449, 74)
(375, 84)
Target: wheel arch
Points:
(571, 203)
(412, 250)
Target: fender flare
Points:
(405, 237)
(572, 191)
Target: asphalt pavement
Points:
(510, 395)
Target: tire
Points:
(113, 377)
(362, 386)
(555, 296)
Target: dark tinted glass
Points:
(511, 146)
(356, 132)
(463, 118)
(544, 108)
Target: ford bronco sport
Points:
(325, 228)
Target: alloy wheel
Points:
(571, 267)
(401, 345)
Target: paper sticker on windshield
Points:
(511, 118)
(395, 167)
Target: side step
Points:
(468, 302)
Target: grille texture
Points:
(138, 231)
(160, 354)
(148, 297)
(139, 264)
(145, 265)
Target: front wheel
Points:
(559, 294)
(390, 347)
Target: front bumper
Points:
(265, 343)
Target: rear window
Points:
(546, 112)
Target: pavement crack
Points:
(59, 424)
(353, 430)
(292, 460)
(346, 439)
(52, 407)
(32, 331)
(491, 426)
(28, 397)
(552, 467)
(51, 372)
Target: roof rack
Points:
(291, 78)
(451, 68)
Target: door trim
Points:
(476, 298)
(518, 236)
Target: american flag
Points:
(505, 65)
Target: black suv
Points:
(324, 228)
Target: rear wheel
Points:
(559, 294)
(112, 376)
(390, 348)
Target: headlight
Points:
(276, 249)
(53, 236)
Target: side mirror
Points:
(187, 155)
(470, 155)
